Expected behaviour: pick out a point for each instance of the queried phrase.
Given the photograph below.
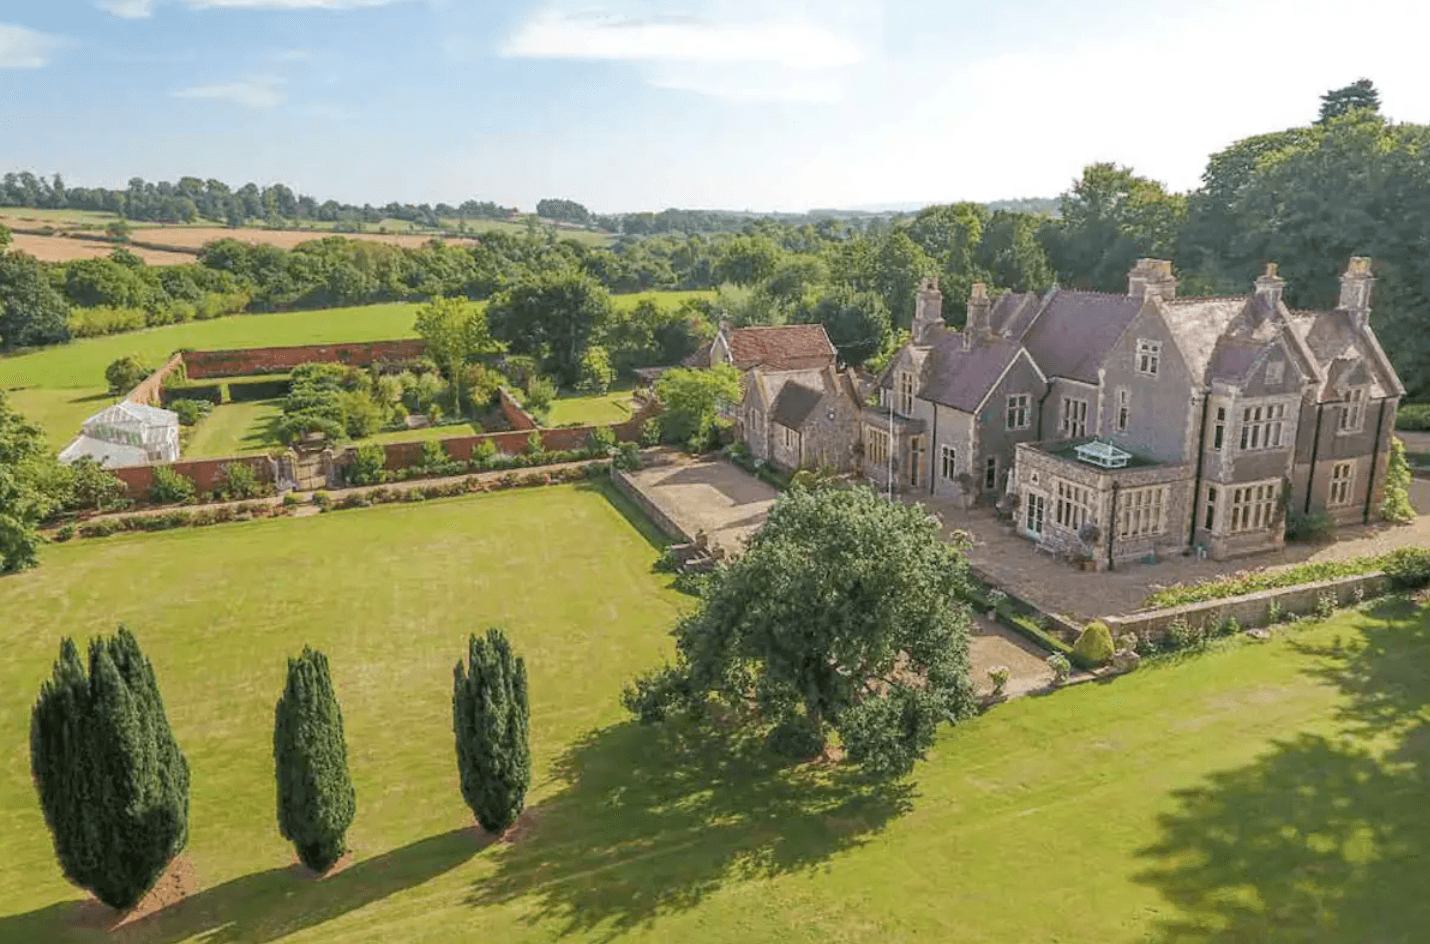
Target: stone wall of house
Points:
(995, 440)
(1160, 412)
(1250, 610)
(653, 509)
(273, 360)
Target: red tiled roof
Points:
(786, 347)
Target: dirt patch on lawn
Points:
(178, 882)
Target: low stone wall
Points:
(1064, 629)
(149, 392)
(1251, 609)
(205, 473)
(276, 360)
(653, 510)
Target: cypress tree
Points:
(316, 801)
(113, 784)
(489, 718)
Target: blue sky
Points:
(639, 104)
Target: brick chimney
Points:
(928, 311)
(1268, 291)
(1355, 291)
(977, 329)
(1152, 277)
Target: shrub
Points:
(238, 481)
(64, 532)
(1395, 504)
(602, 441)
(1061, 667)
(292, 498)
(1256, 580)
(650, 433)
(540, 393)
(999, 676)
(113, 784)
(322, 499)
(316, 801)
(1316, 527)
(534, 445)
(489, 717)
(484, 452)
(1094, 647)
(368, 464)
(1413, 416)
(125, 374)
(434, 455)
(1325, 605)
(1273, 612)
(170, 487)
(1179, 634)
(1230, 626)
(1408, 568)
(191, 411)
(629, 457)
(94, 487)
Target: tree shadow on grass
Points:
(654, 819)
(1326, 837)
(262, 907)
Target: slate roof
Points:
(782, 347)
(1076, 330)
(1014, 312)
(794, 404)
(1198, 324)
(960, 376)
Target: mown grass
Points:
(58, 387)
(613, 406)
(1268, 792)
(235, 429)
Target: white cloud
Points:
(767, 55)
(24, 48)
(129, 9)
(790, 43)
(250, 93)
(138, 9)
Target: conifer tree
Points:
(113, 784)
(316, 800)
(489, 718)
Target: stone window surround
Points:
(990, 473)
(1149, 356)
(1352, 418)
(1253, 505)
(1342, 489)
(948, 462)
(1123, 418)
(1142, 512)
(878, 448)
(1020, 410)
(1074, 417)
(1261, 424)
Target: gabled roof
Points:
(125, 413)
(1014, 312)
(960, 376)
(1199, 324)
(781, 347)
(108, 454)
(794, 404)
(1331, 337)
(1075, 330)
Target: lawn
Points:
(236, 429)
(59, 387)
(601, 409)
(1263, 792)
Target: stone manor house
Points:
(1117, 427)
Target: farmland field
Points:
(1262, 792)
(194, 237)
(63, 249)
(59, 386)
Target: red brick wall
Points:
(515, 415)
(204, 472)
(272, 360)
(147, 392)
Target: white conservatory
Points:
(127, 434)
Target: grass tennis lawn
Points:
(59, 387)
(597, 409)
(1263, 792)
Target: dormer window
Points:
(1353, 412)
(906, 393)
(1149, 356)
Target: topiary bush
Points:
(1408, 568)
(316, 800)
(1094, 647)
(490, 718)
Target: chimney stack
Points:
(1355, 291)
(1152, 277)
(977, 328)
(928, 311)
(1268, 291)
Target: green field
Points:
(237, 429)
(601, 409)
(58, 387)
(1264, 792)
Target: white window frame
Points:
(1343, 477)
(1353, 412)
(1019, 411)
(1142, 512)
(1253, 506)
(948, 462)
(1074, 417)
(1263, 427)
(1149, 356)
(1035, 513)
(877, 451)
